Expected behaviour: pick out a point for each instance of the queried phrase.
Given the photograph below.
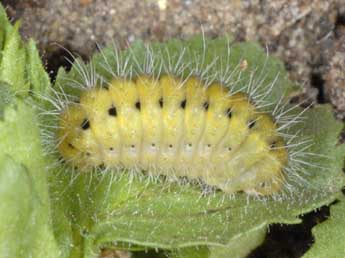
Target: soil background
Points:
(308, 35)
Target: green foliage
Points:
(52, 211)
(6, 97)
(25, 218)
(25, 227)
(330, 235)
(36, 76)
(242, 246)
(12, 67)
(16, 207)
(20, 63)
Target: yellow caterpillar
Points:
(175, 127)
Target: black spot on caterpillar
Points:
(112, 111)
(228, 113)
(251, 124)
(205, 105)
(85, 124)
(137, 105)
(183, 104)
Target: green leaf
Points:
(17, 203)
(113, 208)
(6, 97)
(20, 63)
(36, 74)
(242, 246)
(12, 66)
(26, 229)
(330, 235)
(3, 24)
(191, 252)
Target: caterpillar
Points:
(166, 123)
